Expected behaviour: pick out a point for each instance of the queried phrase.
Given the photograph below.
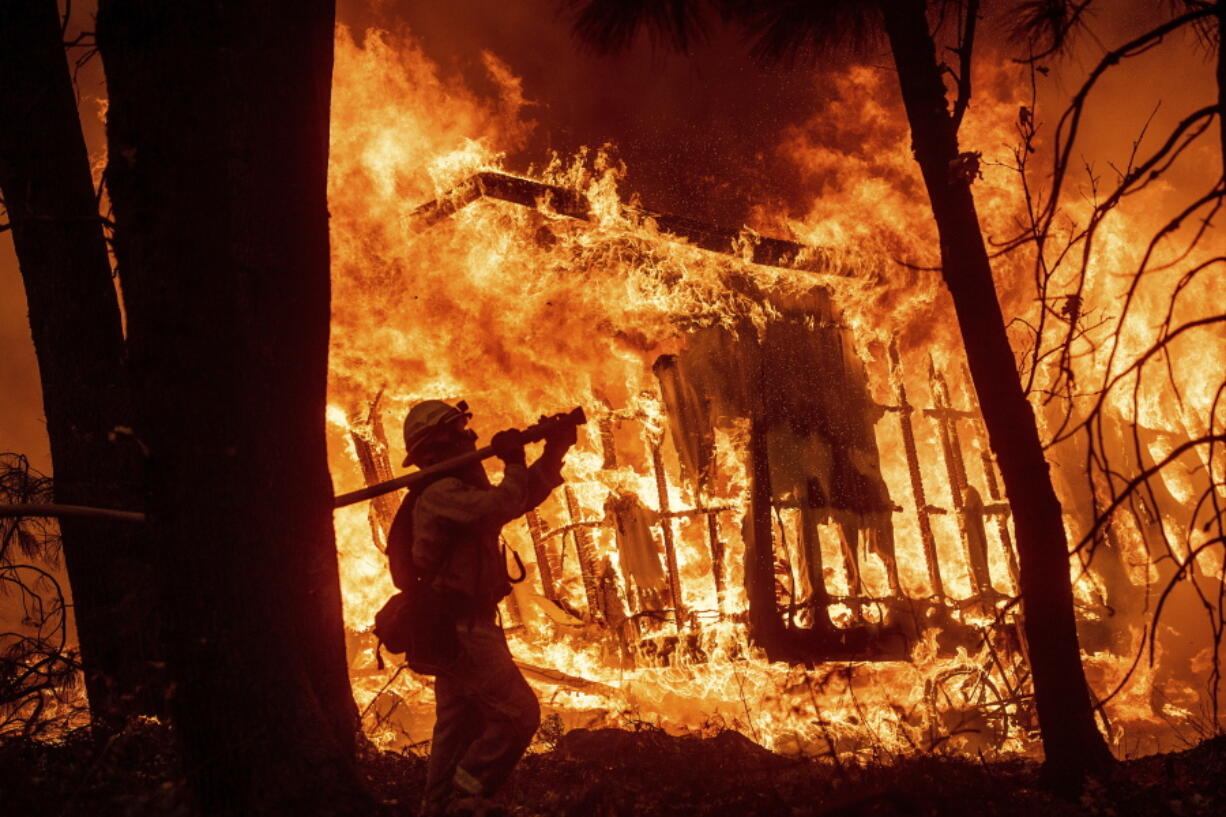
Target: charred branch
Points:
(58, 511)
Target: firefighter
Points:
(485, 712)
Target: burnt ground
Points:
(611, 773)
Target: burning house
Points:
(783, 516)
(794, 396)
(732, 495)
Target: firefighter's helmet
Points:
(426, 418)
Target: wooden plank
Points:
(999, 509)
(905, 410)
(544, 560)
(744, 244)
(670, 550)
(974, 543)
(587, 558)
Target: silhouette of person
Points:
(485, 712)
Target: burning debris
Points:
(564, 201)
(736, 503)
(785, 516)
(733, 402)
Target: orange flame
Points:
(521, 310)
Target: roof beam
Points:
(743, 244)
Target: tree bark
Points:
(1221, 80)
(1072, 743)
(218, 143)
(78, 339)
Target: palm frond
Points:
(1208, 30)
(790, 31)
(1049, 26)
(609, 26)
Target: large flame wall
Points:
(521, 311)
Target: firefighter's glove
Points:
(509, 446)
(557, 442)
(562, 436)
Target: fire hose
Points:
(533, 433)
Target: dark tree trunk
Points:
(1221, 79)
(218, 144)
(1072, 743)
(74, 318)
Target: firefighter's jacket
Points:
(455, 528)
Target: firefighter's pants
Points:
(485, 717)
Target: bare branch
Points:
(68, 511)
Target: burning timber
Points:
(744, 244)
(792, 398)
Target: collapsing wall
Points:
(801, 392)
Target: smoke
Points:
(698, 132)
(704, 133)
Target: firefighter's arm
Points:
(545, 474)
(455, 500)
(521, 489)
(547, 470)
